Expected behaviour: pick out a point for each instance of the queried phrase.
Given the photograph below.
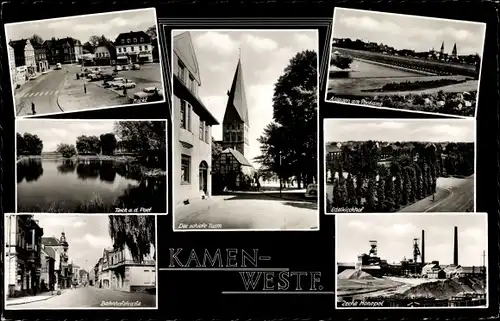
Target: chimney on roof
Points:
(455, 247)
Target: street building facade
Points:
(23, 238)
(65, 50)
(61, 266)
(193, 129)
(48, 276)
(105, 55)
(12, 65)
(105, 275)
(134, 47)
(24, 55)
(42, 64)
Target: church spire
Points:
(442, 47)
(454, 51)
(236, 103)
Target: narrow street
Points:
(248, 210)
(91, 297)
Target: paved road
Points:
(251, 210)
(460, 199)
(90, 297)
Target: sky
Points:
(395, 234)
(83, 27)
(264, 56)
(427, 130)
(87, 235)
(409, 32)
(55, 132)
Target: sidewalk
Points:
(73, 96)
(196, 206)
(25, 88)
(31, 298)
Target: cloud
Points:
(260, 44)
(307, 40)
(368, 23)
(56, 222)
(94, 241)
(360, 225)
(221, 43)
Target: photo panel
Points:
(412, 261)
(399, 165)
(91, 166)
(405, 62)
(79, 261)
(73, 64)
(241, 159)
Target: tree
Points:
(108, 143)
(433, 178)
(66, 150)
(351, 192)
(94, 41)
(397, 191)
(418, 182)
(20, 145)
(430, 184)
(216, 149)
(295, 114)
(29, 144)
(151, 31)
(381, 194)
(342, 190)
(370, 195)
(88, 144)
(36, 40)
(359, 189)
(143, 136)
(413, 183)
(406, 188)
(136, 232)
(389, 194)
(425, 182)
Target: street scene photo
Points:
(412, 260)
(85, 62)
(399, 165)
(59, 261)
(405, 62)
(244, 149)
(91, 166)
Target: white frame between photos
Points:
(325, 174)
(90, 120)
(398, 109)
(117, 13)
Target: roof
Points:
(237, 102)
(71, 41)
(18, 44)
(50, 241)
(50, 252)
(184, 49)
(133, 34)
(332, 148)
(239, 156)
(430, 266)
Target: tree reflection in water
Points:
(67, 166)
(150, 193)
(29, 169)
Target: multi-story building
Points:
(61, 266)
(75, 272)
(131, 275)
(91, 276)
(23, 248)
(48, 272)
(42, 64)
(192, 126)
(24, 54)
(65, 50)
(97, 273)
(105, 273)
(12, 66)
(83, 278)
(133, 47)
(105, 54)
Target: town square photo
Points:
(245, 128)
(84, 62)
(405, 62)
(412, 260)
(91, 166)
(60, 261)
(399, 165)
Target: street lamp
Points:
(280, 173)
(83, 77)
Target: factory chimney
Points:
(423, 247)
(455, 248)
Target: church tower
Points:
(441, 52)
(454, 51)
(235, 124)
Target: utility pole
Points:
(484, 262)
(280, 174)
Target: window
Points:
(135, 40)
(146, 270)
(189, 117)
(65, 50)
(181, 71)
(128, 40)
(123, 41)
(185, 169)
(207, 139)
(183, 114)
(140, 48)
(142, 39)
(202, 130)
(132, 48)
(239, 137)
(145, 47)
(191, 83)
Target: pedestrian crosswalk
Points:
(41, 93)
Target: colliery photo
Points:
(399, 165)
(84, 62)
(91, 166)
(242, 159)
(63, 261)
(412, 261)
(413, 63)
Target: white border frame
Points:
(89, 120)
(485, 215)
(174, 125)
(398, 109)
(9, 308)
(117, 13)
(325, 174)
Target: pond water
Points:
(64, 185)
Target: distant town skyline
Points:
(55, 132)
(399, 130)
(395, 233)
(83, 27)
(409, 32)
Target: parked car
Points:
(115, 82)
(311, 191)
(95, 76)
(148, 94)
(126, 84)
(58, 66)
(135, 67)
(125, 67)
(118, 68)
(107, 76)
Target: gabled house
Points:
(192, 126)
(24, 55)
(105, 54)
(133, 47)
